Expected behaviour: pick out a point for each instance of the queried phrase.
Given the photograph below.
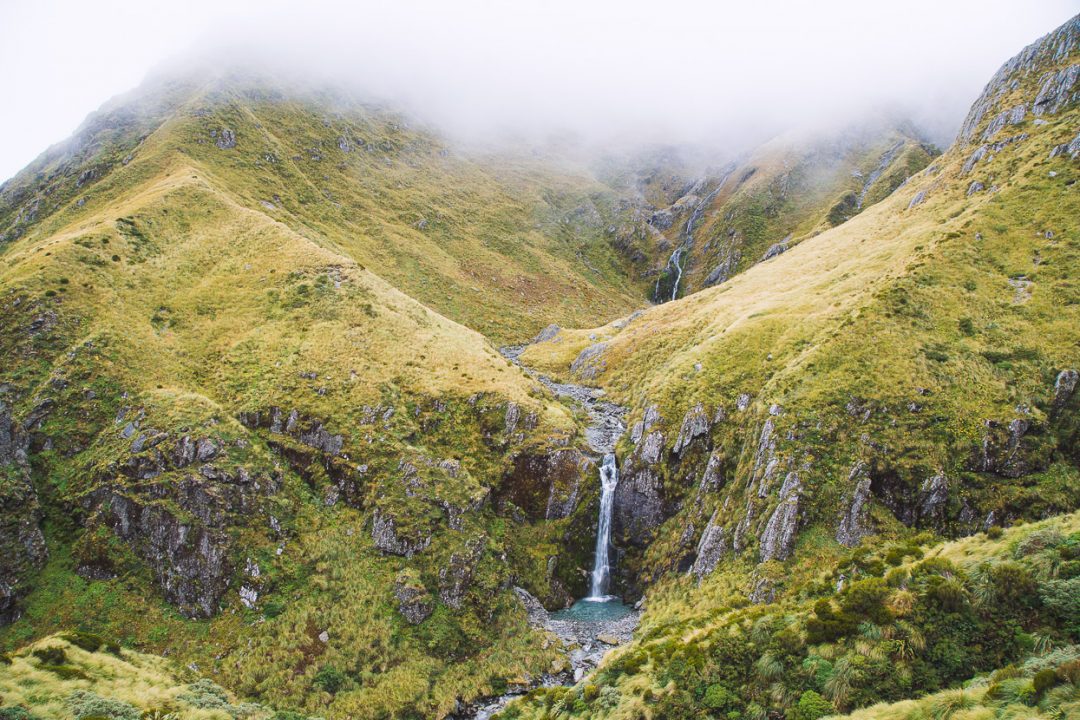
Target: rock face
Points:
(22, 544)
(778, 539)
(546, 486)
(853, 522)
(639, 506)
(589, 363)
(384, 532)
(414, 602)
(1054, 87)
(710, 549)
(175, 516)
(694, 425)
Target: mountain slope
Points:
(702, 231)
(912, 369)
(216, 423)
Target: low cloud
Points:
(605, 71)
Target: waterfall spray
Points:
(609, 478)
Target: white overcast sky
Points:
(676, 69)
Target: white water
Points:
(609, 478)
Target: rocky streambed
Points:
(591, 628)
(585, 633)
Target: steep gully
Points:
(675, 262)
(595, 624)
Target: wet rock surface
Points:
(584, 644)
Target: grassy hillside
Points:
(728, 217)
(907, 374)
(229, 427)
(484, 240)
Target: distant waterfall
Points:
(609, 478)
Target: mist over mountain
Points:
(720, 75)
(478, 361)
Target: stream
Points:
(594, 625)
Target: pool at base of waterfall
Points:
(594, 610)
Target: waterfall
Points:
(609, 478)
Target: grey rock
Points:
(853, 522)
(933, 497)
(414, 601)
(763, 591)
(456, 578)
(22, 545)
(919, 199)
(1055, 90)
(694, 425)
(975, 187)
(778, 539)
(225, 140)
(384, 533)
(710, 549)
(590, 362)
(774, 250)
(549, 333)
(1064, 387)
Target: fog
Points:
(604, 71)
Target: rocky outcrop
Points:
(385, 533)
(225, 139)
(546, 485)
(1054, 86)
(414, 601)
(177, 515)
(1064, 387)
(695, 424)
(639, 506)
(457, 576)
(853, 525)
(710, 549)
(590, 362)
(22, 544)
(778, 539)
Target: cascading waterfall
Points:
(675, 261)
(609, 478)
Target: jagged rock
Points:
(974, 158)
(22, 544)
(456, 578)
(414, 602)
(546, 486)
(933, 497)
(590, 362)
(975, 187)
(638, 504)
(774, 250)
(548, 333)
(1055, 90)
(763, 592)
(1071, 148)
(343, 144)
(713, 478)
(778, 539)
(662, 219)
(648, 419)
(1064, 387)
(651, 448)
(710, 549)
(1005, 449)
(510, 420)
(384, 533)
(919, 199)
(225, 140)
(853, 521)
(694, 425)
